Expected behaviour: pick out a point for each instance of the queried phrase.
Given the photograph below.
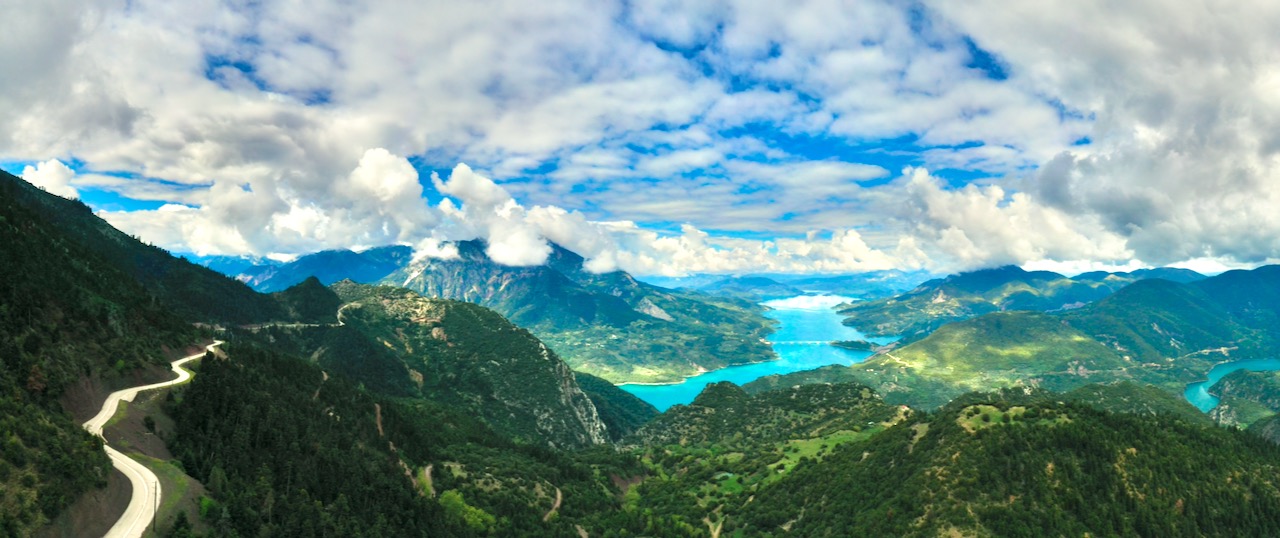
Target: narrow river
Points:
(805, 326)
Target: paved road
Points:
(146, 488)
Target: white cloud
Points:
(599, 114)
(976, 226)
(1185, 159)
(52, 176)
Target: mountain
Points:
(755, 288)
(869, 285)
(230, 265)
(1172, 274)
(459, 354)
(284, 448)
(918, 312)
(329, 266)
(609, 325)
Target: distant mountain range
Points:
(609, 325)
(920, 311)
(1153, 331)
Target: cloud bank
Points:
(662, 137)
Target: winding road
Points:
(146, 487)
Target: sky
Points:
(663, 137)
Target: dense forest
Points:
(360, 464)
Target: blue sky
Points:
(663, 137)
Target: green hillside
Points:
(1002, 467)
(65, 313)
(997, 350)
(1246, 397)
(622, 412)
(397, 342)
(1138, 399)
(707, 460)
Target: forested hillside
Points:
(397, 342)
(286, 450)
(191, 292)
(65, 312)
(1029, 466)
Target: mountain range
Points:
(609, 325)
(1154, 331)
(930, 305)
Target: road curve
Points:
(146, 488)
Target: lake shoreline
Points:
(809, 323)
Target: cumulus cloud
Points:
(982, 225)
(52, 176)
(1184, 152)
(278, 128)
(377, 202)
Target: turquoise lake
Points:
(805, 326)
(1198, 393)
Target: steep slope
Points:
(957, 297)
(1246, 398)
(621, 412)
(192, 292)
(608, 325)
(397, 342)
